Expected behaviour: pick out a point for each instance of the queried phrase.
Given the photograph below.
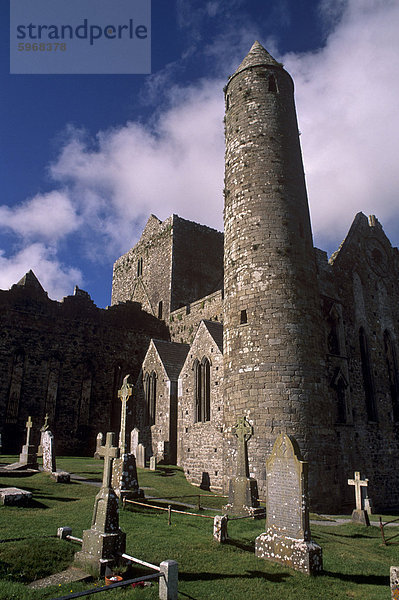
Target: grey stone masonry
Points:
(272, 341)
(394, 579)
(287, 538)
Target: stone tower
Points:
(272, 344)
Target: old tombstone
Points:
(394, 580)
(243, 489)
(287, 538)
(104, 543)
(124, 470)
(359, 515)
(134, 440)
(220, 528)
(153, 463)
(43, 428)
(140, 456)
(13, 496)
(48, 452)
(99, 443)
(27, 457)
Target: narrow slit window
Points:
(160, 309)
(243, 317)
(139, 267)
(272, 84)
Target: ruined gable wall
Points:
(366, 273)
(200, 445)
(73, 354)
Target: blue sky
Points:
(85, 159)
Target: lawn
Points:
(356, 564)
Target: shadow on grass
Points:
(246, 546)
(360, 579)
(206, 576)
(165, 472)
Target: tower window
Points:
(392, 368)
(150, 393)
(139, 267)
(272, 84)
(368, 383)
(202, 390)
(160, 309)
(243, 317)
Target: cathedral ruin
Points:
(256, 323)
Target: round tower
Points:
(272, 346)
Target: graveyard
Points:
(355, 562)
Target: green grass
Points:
(356, 564)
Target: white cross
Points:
(358, 483)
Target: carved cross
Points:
(28, 428)
(45, 426)
(124, 394)
(243, 430)
(109, 452)
(358, 483)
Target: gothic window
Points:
(392, 368)
(333, 334)
(139, 267)
(340, 385)
(85, 396)
(202, 390)
(150, 393)
(52, 387)
(272, 84)
(368, 382)
(14, 393)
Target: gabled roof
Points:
(172, 356)
(215, 329)
(30, 280)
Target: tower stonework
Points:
(272, 318)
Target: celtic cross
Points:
(124, 394)
(28, 428)
(243, 430)
(109, 452)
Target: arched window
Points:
(368, 383)
(392, 367)
(202, 390)
(150, 393)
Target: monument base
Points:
(101, 550)
(243, 498)
(360, 517)
(298, 554)
(124, 477)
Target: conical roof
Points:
(257, 56)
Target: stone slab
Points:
(61, 476)
(13, 496)
(360, 517)
(70, 575)
(301, 555)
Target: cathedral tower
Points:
(272, 315)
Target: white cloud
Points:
(57, 279)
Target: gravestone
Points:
(287, 538)
(394, 580)
(99, 443)
(140, 456)
(243, 489)
(124, 470)
(104, 543)
(43, 428)
(359, 515)
(27, 458)
(48, 452)
(220, 528)
(134, 440)
(153, 463)
(13, 496)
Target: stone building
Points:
(260, 324)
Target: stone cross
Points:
(358, 483)
(124, 394)
(28, 428)
(243, 430)
(109, 452)
(45, 426)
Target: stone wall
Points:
(184, 322)
(68, 359)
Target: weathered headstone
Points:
(140, 456)
(220, 528)
(43, 428)
(153, 463)
(13, 496)
(27, 458)
(287, 538)
(394, 579)
(359, 515)
(124, 470)
(368, 506)
(99, 443)
(104, 543)
(134, 440)
(243, 489)
(48, 452)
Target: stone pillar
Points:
(168, 582)
(220, 528)
(48, 452)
